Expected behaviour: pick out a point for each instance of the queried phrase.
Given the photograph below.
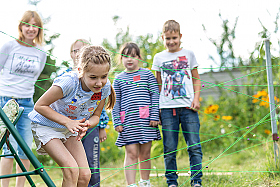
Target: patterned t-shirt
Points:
(177, 86)
(76, 103)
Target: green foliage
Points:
(149, 48)
(146, 43)
(225, 46)
(272, 164)
(248, 109)
(44, 81)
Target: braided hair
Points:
(92, 54)
(95, 55)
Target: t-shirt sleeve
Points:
(106, 90)
(103, 120)
(4, 54)
(117, 108)
(193, 62)
(156, 63)
(43, 60)
(66, 83)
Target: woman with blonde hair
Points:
(21, 62)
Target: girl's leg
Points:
(131, 157)
(144, 154)
(60, 154)
(6, 168)
(76, 149)
(21, 180)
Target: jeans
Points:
(171, 120)
(23, 126)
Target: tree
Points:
(145, 43)
(225, 50)
(225, 45)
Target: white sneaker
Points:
(144, 183)
(132, 185)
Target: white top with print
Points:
(21, 67)
(177, 86)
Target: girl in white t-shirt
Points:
(21, 62)
(73, 104)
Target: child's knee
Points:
(145, 155)
(70, 173)
(85, 175)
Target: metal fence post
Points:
(271, 100)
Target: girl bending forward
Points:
(73, 104)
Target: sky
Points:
(92, 20)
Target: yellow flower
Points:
(207, 111)
(255, 100)
(106, 130)
(266, 131)
(110, 123)
(200, 99)
(217, 117)
(256, 96)
(276, 99)
(227, 118)
(262, 93)
(263, 96)
(214, 109)
(108, 147)
(102, 149)
(265, 102)
(211, 109)
(262, 103)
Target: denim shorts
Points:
(43, 134)
(22, 126)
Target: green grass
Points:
(253, 167)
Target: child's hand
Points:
(102, 135)
(87, 124)
(119, 128)
(75, 125)
(82, 133)
(195, 105)
(154, 123)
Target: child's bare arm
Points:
(158, 77)
(196, 87)
(102, 135)
(94, 119)
(42, 106)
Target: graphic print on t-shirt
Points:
(24, 65)
(175, 71)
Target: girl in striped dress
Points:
(136, 114)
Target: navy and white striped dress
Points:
(137, 103)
